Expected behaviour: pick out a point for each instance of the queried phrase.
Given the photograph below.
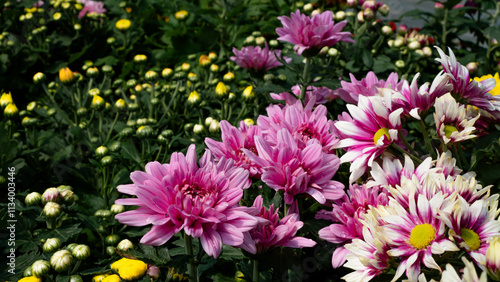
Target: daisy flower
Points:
(274, 232)
(417, 234)
(309, 35)
(297, 171)
(493, 258)
(373, 127)
(368, 86)
(348, 213)
(201, 200)
(464, 88)
(257, 59)
(452, 123)
(233, 140)
(472, 225)
(391, 171)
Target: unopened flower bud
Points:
(214, 68)
(472, 67)
(112, 240)
(39, 77)
(368, 14)
(181, 15)
(28, 272)
(75, 278)
(228, 77)
(400, 64)
(386, 30)
(194, 98)
(214, 126)
(68, 197)
(185, 67)
(125, 245)
(398, 42)
(120, 105)
(107, 160)
(33, 198)
(123, 24)
(92, 72)
(140, 58)
(360, 18)
(268, 77)
(167, 72)
(249, 121)
(282, 77)
(273, 43)
(261, 40)
(51, 245)
(11, 110)
(61, 260)
(248, 94)
(127, 131)
(308, 7)
(249, 40)
(144, 131)
(221, 90)
(493, 259)
(110, 250)
(198, 128)
(51, 209)
(151, 76)
(51, 195)
(40, 268)
(192, 77)
(81, 252)
(208, 121)
(402, 29)
(51, 112)
(384, 10)
(97, 102)
(414, 45)
(153, 272)
(116, 209)
(204, 61)
(427, 51)
(438, 6)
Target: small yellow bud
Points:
(194, 97)
(185, 67)
(123, 24)
(66, 75)
(92, 72)
(212, 56)
(140, 58)
(11, 110)
(66, 5)
(120, 105)
(204, 60)
(192, 77)
(57, 16)
(167, 72)
(228, 77)
(6, 99)
(249, 121)
(97, 102)
(248, 93)
(151, 75)
(94, 91)
(221, 90)
(181, 15)
(39, 77)
(214, 68)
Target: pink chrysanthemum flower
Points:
(350, 91)
(374, 126)
(367, 256)
(297, 171)
(416, 100)
(320, 94)
(201, 200)
(91, 7)
(464, 88)
(417, 234)
(348, 213)
(311, 34)
(472, 225)
(303, 123)
(274, 232)
(452, 123)
(233, 139)
(391, 171)
(465, 186)
(257, 59)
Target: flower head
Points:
(202, 200)
(123, 24)
(6, 99)
(257, 59)
(91, 7)
(493, 258)
(311, 34)
(129, 269)
(273, 232)
(66, 75)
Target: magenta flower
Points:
(91, 7)
(201, 200)
(474, 92)
(303, 123)
(368, 86)
(320, 94)
(347, 213)
(311, 34)
(257, 59)
(297, 171)
(233, 140)
(274, 232)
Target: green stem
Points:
(427, 140)
(462, 155)
(444, 31)
(399, 149)
(255, 270)
(457, 155)
(408, 146)
(75, 268)
(493, 22)
(112, 127)
(192, 270)
(305, 79)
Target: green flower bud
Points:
(51, 112)
(116, 209)
(102, 213)
(51, 195)
(140, 58)
(81, 252)
(75, 278)
(152, 121)
(273, 43)
(107, 92)
(162, 139)
(39, 77)
(61, 260)
(40, 268)
(144, 131)
(231, 96)
(268, 77)
(133, 107)
(214, 68)
(167, 133)
(28, 272)
(51, 245)
(115, 146)
(282, 77)
(81, 112)
(131, 83)
(188, 126)
(33, 198)
(94, 91)
(167, 72)
(71, 247)
(111, 40)
(125, 245)
(68, 197)
(214, 126)
(51, 209)
(82, 125)
(141, 121)
(92, 72)
(97, 102)
(112, 240)
(94, 140)
(29, 122)
(151, 76)
(400, 64)
(127, 131)
(101, 151)
(131, 123)
(110, 250)
(107, 160)
(213, 82)
(198, 129)
(107, 70)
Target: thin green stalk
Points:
(444, 32)
(305, 79)
(493, 23)
(255, 270)
(427, 140)
(399, 149)
(112, 127)
(408, 146)
(192, 270)
(462, 155)
(457, 156)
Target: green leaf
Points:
(219, 277)
(62, 233)
(129, 151)
(230, 253)
(157, 256)
(108, 60)
(366, 55)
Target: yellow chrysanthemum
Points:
(123, 24)
(496, 90)
(31, 279)
(99, 278)
(66, 75)
(130, 269)
(112, 278)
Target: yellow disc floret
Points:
(380, 133)
(422, 235)
(130, 269)
(470, 238)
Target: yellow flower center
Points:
(448, 130)
(470, 238)
(422, 235)
(380, 133)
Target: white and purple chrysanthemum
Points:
(373, 127)
(274, 232)
(309, 35)
(368, 86)
(257, 59)
(201, 200)
(296, 171)
(233, 140)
